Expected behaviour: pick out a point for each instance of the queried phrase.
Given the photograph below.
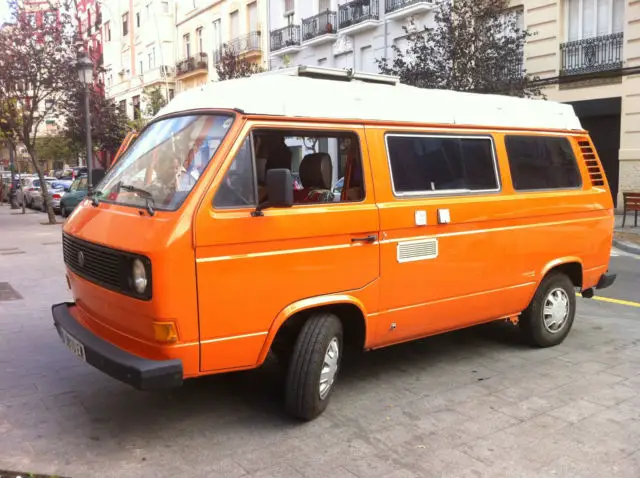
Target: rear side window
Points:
(440, 163)
(539, 162)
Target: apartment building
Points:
(139, 48)
(342, 34)
(589, 52)
(205, 28)
(89, 17)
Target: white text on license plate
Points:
(72, 344)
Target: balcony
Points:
(358, 16)
(285, 40)
(320, 28)
(192, 66)
(245, 45)
(591, 55)
(158, 75)
(401, 9)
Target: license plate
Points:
(72, 344)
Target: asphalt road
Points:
(627, 284)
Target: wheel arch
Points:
(571, 266)
(347, 308)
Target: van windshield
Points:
(163, 165)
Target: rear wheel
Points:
(63, 211)
(549, 317)
(314, 366)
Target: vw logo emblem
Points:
(81, 259)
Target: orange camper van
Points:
(254, 216)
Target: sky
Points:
(4, 11)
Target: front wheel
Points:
(314, 366)
(63, 211)
(549, 317)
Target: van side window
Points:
(542, 162)
(326, 165)
(237, 188)
(441, 163)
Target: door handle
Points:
(369, 239)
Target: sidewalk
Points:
(627, 239)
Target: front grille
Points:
(106, 267)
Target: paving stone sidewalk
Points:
(475, 403)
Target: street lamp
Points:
(85, 74)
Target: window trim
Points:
(445, 192)
(328, 132)
(575, 162)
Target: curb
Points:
(627, 247)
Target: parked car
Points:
(29, 188)
(56, 190)
(73, 197)
(5, 187)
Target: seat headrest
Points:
(316, 171)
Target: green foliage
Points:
(57, 149)
(155, 100)
(475, 45)
(232, 65)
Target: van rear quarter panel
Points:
(493, 253)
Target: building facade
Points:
(342, 34)
(589, 52)
(139, 51)
(207, 28)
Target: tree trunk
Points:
(44, 190)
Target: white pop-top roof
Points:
(289, 93)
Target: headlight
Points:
(139, 275)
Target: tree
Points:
(58, 149)
(36, 58)
(155, 100)
(232, 65)
(475, 45)
(108, 121)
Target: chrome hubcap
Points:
(556, 310)
(329, 367)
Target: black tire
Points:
(535, 330)
(63, 211)
(302, 394)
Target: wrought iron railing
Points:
(394, 5)
(357, 11)
(284, 37)
(245, 43)
(320, 24)
(591, 55)
(200, 61)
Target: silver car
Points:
(56, 190)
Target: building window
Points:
(288, 6)
(367, 60)
(426, 164)
(107, 31)
(141, 67)
(137, 114)
(591, 18)
(200, 40)
(125, 24)
(289, 19)
(172, 93)
(186, 40)
(234, 28)
(542, 162)
(123, 106)
(217, 34)
(252, 13)
(324, 5)
(165, 7)
(138, 19)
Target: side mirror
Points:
(279, 184)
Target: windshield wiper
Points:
(141, 192)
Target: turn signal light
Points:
(165, 332)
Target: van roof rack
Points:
(337, 74)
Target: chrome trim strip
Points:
(233, 337)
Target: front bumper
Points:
(141, 373)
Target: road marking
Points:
(615, 301)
